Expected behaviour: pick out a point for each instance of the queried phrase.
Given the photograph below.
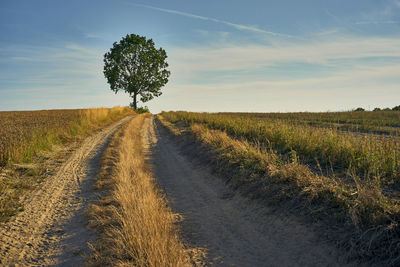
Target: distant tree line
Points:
(396, 108)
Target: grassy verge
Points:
(136, 226)
(28, 139)
(359, 217)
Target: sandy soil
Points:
(235, 231)
(52, 229)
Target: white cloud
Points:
(228, 57)
(352, 80)
(339, 91)
(334, 80)
(22, 59)
(74, 68)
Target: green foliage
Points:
(135, 66)
(359, 109)
(396, 108)
(141, 110)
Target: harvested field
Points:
(24, 133)
(31, 140)
(18, 127)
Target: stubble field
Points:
(29, 138)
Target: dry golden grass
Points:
(137, 227)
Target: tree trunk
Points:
(134, 101)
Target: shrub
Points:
(141, 110)
(396, 108)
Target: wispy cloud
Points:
(344, 73)
(68, 76)
(229, 57)
(377, 22)
(71, 64)
(227, 23)
(327, 32)
(92, 36)
(341, 90)
(384, 15)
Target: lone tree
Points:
(137, 67)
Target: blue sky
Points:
(224, 55)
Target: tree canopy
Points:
(135, 66)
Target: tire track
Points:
(51, 230)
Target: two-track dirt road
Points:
(52, 229)
(235, 231)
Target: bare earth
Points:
(235, 231)
(52, 229)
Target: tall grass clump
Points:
(365, 155)
(136, 225)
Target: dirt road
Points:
(52, 228)
(235, 231)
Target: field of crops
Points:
(339, 152)
(344, 178)
(378, 122)
(24, 133)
